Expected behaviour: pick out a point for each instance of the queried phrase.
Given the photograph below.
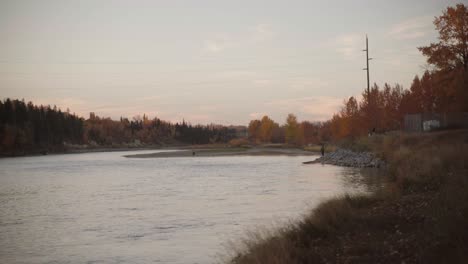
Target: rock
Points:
(347, 158)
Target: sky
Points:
(223, 62)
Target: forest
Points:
(443, 88)
(26, 128)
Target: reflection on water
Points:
(101, 207)
(367, 180)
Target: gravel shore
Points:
(348, 158)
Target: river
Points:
(105, 208)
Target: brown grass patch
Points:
(420, 217)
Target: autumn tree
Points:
(325, 134)
(266, 129)
(451, 51)
(309, 132)
(392, 106)
(350, 117)
(336, 127)
(278, 134)
(449, 56)
(415, 101)
(292, 130)
(254, 130)
(371, 109)
(347, 123)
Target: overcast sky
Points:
(208, 61)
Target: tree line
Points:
(28, 128)
(442, 89)
(105, 131)
(293, 132)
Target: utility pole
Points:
(370, 109)
(367, 67)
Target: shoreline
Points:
(180, 151)
(221, 152)
(84, 151)
(348, 158)
(419, 216)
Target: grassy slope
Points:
(420, 217)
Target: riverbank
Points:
(65, 150)
(419, 217)
(226, 151)
(173, 150)
(348, 158)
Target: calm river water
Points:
(104, 208)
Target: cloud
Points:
(156, 98)
(262, 32)
(233, 74)
(302, 84)
(82, 107)
(349, 45)
(296, 84)
(318, 108)
(411, 28)
(218, 43)
(194, 118)
(257, 115)
(209, 108)
(76, 105)
(224, 41)
(262, 82)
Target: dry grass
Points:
(421, 217)
(239, 142)
(294, 243)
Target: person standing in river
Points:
(322, 149)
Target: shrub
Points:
(238, 142)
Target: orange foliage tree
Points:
(448, 83)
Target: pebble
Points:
(348, 158)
